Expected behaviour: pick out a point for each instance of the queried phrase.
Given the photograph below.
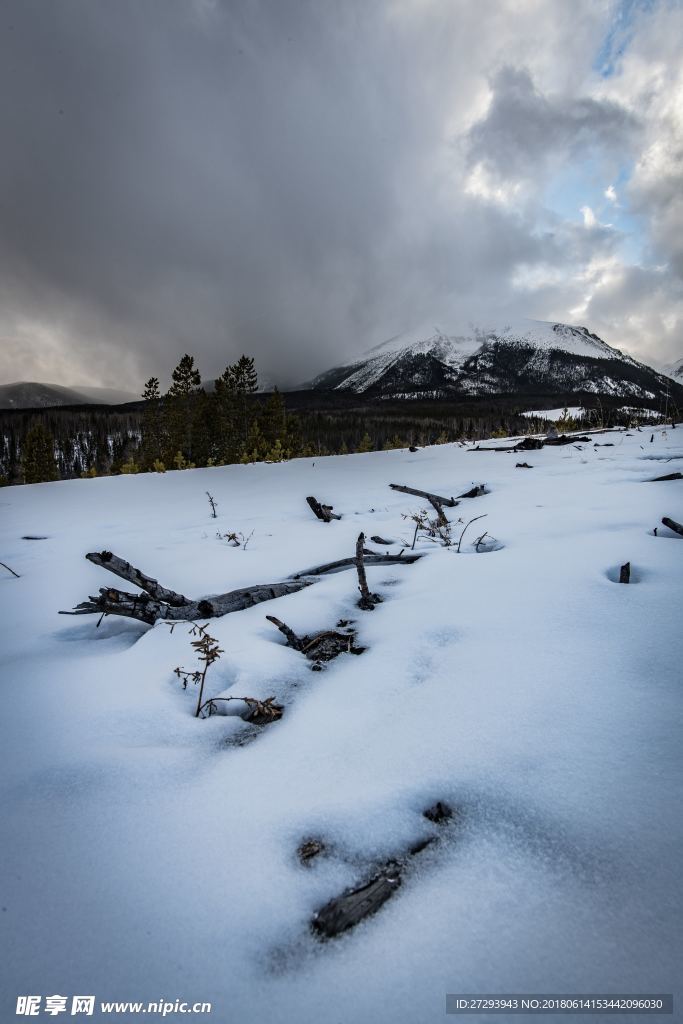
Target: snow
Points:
(151, 855)
(574, 412)
(453, 349)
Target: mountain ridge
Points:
(523, 356)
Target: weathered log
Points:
(625, 573)
(669, 476)
(673, 525)
(380, 540)
(146, 609)
(352, 907)
(128, 572)
(323, 512)
(474, 492)
(523, 465)
(449, 502)
(367, 600)
(149, 607)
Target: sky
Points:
(302, 179)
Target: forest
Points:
(230, 421)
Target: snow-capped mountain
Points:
(34, 395)
(675, 370)
(529, 356)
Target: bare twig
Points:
(10, 570)
(465, 527)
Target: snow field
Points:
(149, 853)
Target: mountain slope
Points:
(523, 358)
(33, 395)
(675, 370)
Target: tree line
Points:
(190, 426)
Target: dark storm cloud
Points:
(286, 178)
(523, 129)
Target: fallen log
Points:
(157, 603)
(523, 465)
(669, 476)
(564, 439)
(450, 502)
(146, 609)
(673, 525)
(323, 512)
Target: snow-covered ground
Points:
(150, 855)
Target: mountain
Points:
(527, 357)
(675, 370)
(32, 395)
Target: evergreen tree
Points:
(365, 443)
(39, 463)
(245, 385)
(153, 440)
(179, 408)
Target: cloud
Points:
(300, 181)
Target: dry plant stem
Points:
(465, 527)
(10, 570)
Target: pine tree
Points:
(179, 407)
(39, 463)
(365, 443)
(153, 441)
(245, 385)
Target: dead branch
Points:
(292, 639)
(449, 502)
(523, 465)
(673, 525)
(259, 712)
(10, 570)
(128, 572)
(323, 512)
(440, 514)
(367, 600)
(370, 558)
(669, 476)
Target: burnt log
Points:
(449, 502)
(323, 512)
(669, 476)
(523, 465)
(625, 573)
